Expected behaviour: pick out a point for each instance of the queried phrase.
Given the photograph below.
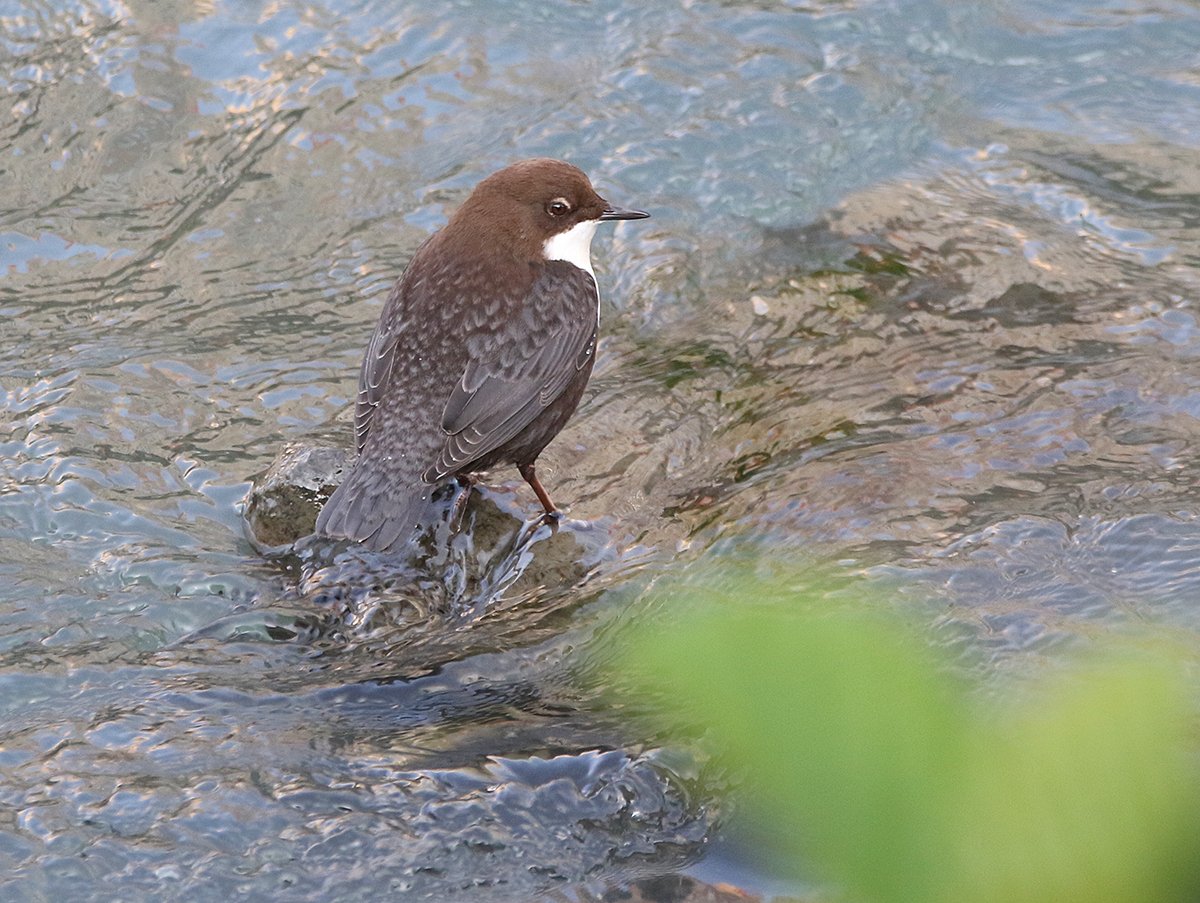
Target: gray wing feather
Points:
(500, 395)
(509, 377)
(376, 371)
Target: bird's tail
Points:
(377, 509)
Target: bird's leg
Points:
(530, 476)
(467, 483)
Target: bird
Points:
(481, 353)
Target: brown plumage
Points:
(481, 353)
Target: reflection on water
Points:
(918, 298)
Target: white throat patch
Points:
(574, 245)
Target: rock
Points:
(489, 546)
(284, 501)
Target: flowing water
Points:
(918, 297)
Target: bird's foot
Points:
(530, 475)
(459, 509)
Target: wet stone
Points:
(284, 502)
(491, 540)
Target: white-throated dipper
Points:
(482, 350)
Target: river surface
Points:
(918, 299)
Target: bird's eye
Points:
(558, 207)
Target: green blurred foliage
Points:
(867, 760)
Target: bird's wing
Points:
(517, 356)
(377, 365)
(520, 368)
(383, 496)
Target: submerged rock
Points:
(284, 501)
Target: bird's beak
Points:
(611, 213)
